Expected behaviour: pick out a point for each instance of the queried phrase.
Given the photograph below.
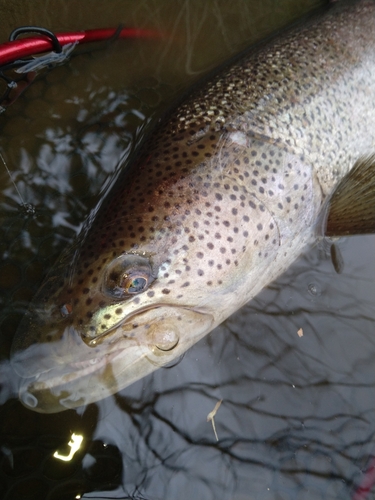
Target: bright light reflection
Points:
(75, 444)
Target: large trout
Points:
(221, 198)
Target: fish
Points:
(255, 164)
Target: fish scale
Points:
(221, 198)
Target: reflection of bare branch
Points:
(300, 408)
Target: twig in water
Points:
(211, 416)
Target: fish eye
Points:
(127, 275)
(134, 284)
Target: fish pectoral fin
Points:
(351, 208)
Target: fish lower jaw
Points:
(74, 384)
(74, 370)
(93, 364)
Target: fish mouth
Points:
(92, 337)
(51, 391)
(163, 334)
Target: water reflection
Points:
(297, 415)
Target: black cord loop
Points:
(41, 31)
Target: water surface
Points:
(294, 368)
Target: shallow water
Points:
(297, 419)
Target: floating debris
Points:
(211, 416)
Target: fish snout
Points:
(42, 342)
(60, 371)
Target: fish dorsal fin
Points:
(351, 208)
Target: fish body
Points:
(220, 199)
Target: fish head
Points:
(133, 293)
(126, 323)
(178, 245)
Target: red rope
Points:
(10, 51)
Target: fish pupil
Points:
(137, 285)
